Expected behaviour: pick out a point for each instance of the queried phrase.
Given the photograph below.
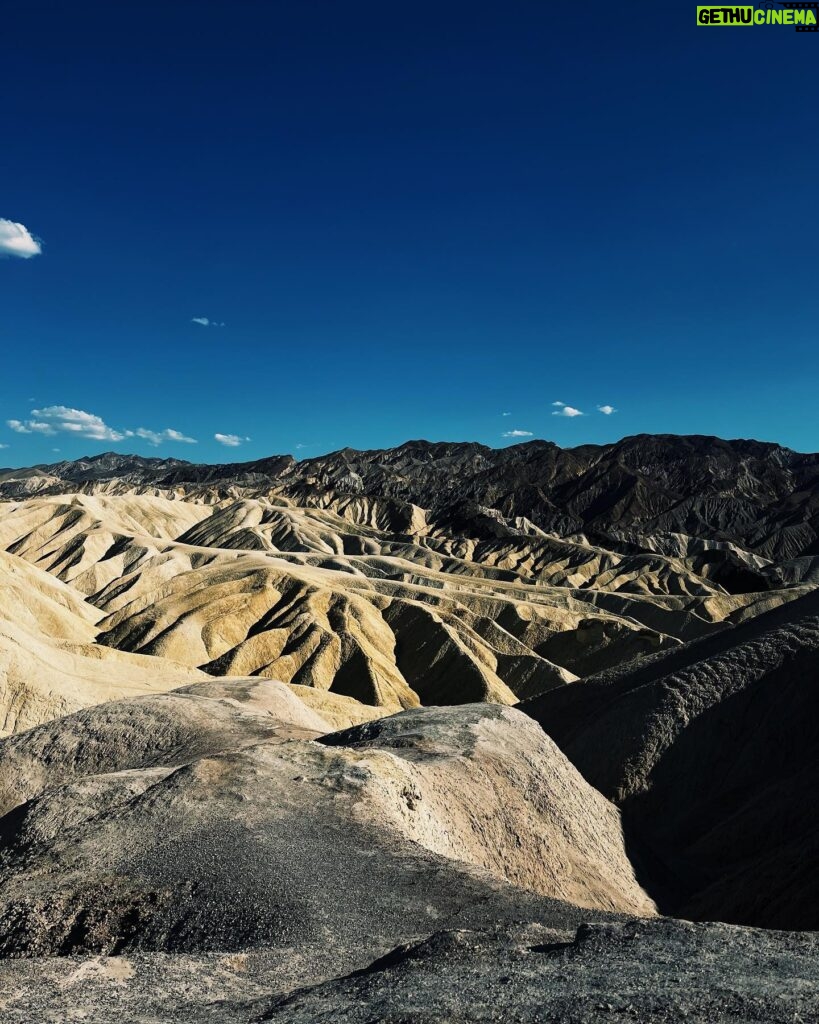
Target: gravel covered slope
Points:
(190, 823)
(658, 972)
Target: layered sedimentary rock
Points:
(366, 575)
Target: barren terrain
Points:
(266, 723)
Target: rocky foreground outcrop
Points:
(214, 855)
(646, 972)
(187, 822)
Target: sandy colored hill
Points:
(49, 662)
(332, 598)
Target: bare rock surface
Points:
(50, 663)
(481, 785)
(164, 730)
(648, 972)
(212, 820)
(663, 971)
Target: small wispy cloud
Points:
(204, 321)
(230, 440)
(63, 419)
(156, 437)
(558, 403)
(3, 446)
(607, 410)
(17, 240)
(506, 414)
(566, 410)
(517, 433)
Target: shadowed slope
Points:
(711, 752)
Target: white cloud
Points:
(506, 414)
(517, 433)
(206, 322)
(566, 410)
(3, 446)
(77, 421)
(155, 438)
(30, 427)
(607, 410)
(55, 419)
(17, 240)
(230, 440)
(559, 403)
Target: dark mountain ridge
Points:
(759, 496)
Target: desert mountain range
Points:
(287, 740)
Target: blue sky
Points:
(409, 219)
